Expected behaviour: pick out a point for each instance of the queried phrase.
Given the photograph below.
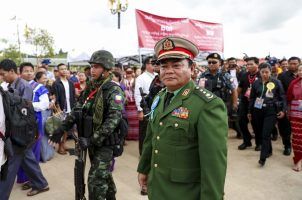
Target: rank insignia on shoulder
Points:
(186, 92)
(118, 99)
(181, 112)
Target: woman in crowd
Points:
(294, 98)
(130, 107)
(267, 103)
(47, 151)
(81, 85)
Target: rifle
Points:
(80, 162)
(144, 103)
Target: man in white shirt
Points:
(64, 92)
(143, 81)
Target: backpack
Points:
(22, 125)
(117, 139)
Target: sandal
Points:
(26, 186)
(296, 169)
(37, 191)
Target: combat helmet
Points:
(102, 57)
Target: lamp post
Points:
(116, 7)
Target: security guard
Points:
(267, 103)
(102, 102)
(185, 150)
(221, 84)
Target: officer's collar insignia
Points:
(168, 45)
(186, 92)
(181, 112)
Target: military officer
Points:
(185, 151)
(100, 98)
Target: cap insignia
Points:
(168, 45)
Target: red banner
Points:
(151, 28)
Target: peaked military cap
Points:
(175, 47)
(214, 56)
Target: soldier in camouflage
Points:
(103, 101)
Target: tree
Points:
(11, 52)
(41, 40)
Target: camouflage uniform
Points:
(106, 108)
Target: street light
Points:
(116, 7)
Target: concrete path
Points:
(245, 179)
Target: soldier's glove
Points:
(84, 143)
(57, 135)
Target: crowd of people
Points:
(268, 95)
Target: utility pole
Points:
(18, 37)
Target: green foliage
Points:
(11, 52)
(61, 54)
(41, 40)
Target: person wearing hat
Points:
(45, 63)
(220, 83)
(101, 105)
(185, 150)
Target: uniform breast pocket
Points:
(177, 132)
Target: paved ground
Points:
(245, 179)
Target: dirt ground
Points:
(245, 179)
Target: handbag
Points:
(54, 121)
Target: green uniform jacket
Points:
(185, 153)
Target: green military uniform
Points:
(185, 150)
(105, 107)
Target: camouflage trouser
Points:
(100, 181)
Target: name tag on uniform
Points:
(259, 103)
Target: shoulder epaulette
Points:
(204, 94)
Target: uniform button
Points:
(155, 165)
(156, 151)
(157, 137)
(176, 125)
(160, 123)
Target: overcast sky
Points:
(255, 27)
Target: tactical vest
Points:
(217, 85)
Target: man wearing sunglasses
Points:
(185, 149)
